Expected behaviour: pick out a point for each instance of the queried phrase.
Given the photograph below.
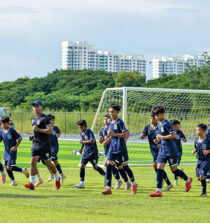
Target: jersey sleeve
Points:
(195, 144)
(168, 128)
(122, 127)
(47, 121)
(145, 132)
(1, 138)
(57, 130)
(91, 135)
(208, 144)
(101, 133)
(16, 135)
(182, 135)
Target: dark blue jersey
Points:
(168, 146)
(10, 138)
(118, 145)
(90, 149)
(151, 133)
(53, 137)
(208, 132)
(103, 133)
(200, 146)
(178, 141)
(42, 122)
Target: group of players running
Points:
(164, 138)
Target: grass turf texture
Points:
(73, 205)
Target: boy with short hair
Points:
(180, 137)
(167, 152)
(11, 142)
(151, 130)
(55, 148)
(90, 153)
(118, 154)
(202, 148)
(105, 140)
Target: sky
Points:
(31, 31)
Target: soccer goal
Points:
(190, 107)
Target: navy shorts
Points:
(203, 167)
(92, 159)
(154, 155)
(54, 153)
(179, 157)
(10, 159)
(119, 159)
(172, 160)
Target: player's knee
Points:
(173, 168)
(154, 165)
(82, 166)
(95, 167)
(47, 162)
(198, 178)
(9, 168)
(55, 162)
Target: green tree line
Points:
(81, 90)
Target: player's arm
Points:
(58, 133)
(107, 141)
(183, 137)
(91, 141)
(47, 130)
(170, 136)
(207, 150)
(81, 149)
(119, 135)
(14, 148)
(144, 133)
(195, 150)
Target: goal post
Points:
(190, 107)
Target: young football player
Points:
(202, 148)
(90, 153)
(105, 140)
(41, 147)
(118, 154)
(167, 152)
(151, 131)
(11, 142)
(55, 148)
(180, 137)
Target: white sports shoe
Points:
(13, 183)
(51, 177)
(39, 182)
(169, 187)
(25, 172)
(80, 186)
(62, 178)
(176, 182)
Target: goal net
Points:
(190, 107)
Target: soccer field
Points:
(73, 205)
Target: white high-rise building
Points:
(176, 64)
(82, 55)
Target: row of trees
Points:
(74, 90)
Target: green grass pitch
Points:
(89, 206)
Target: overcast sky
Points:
(31, 31)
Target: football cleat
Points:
(134, 189)
(29, 186)
(57, 184)
(156, 194)
(169, 187)
(106, 191)
(188, 185)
